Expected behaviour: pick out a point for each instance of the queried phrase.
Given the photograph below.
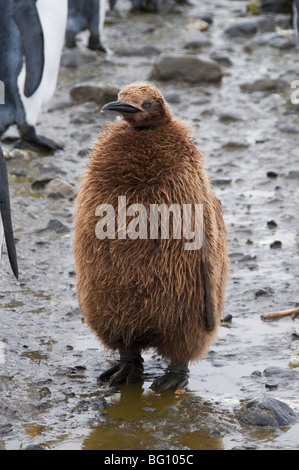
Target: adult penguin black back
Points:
(6, 230)
(86, 15)
(31, 40)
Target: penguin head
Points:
(141, 105)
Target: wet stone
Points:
(267, 413)
(186, 67)
(293, 175)
(242, 28)
(138, 51)
(275, 245)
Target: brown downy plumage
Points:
(142, 293)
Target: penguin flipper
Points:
(5, 215)
(27, 19)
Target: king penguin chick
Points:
(143, 292)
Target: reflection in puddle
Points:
(138, 418)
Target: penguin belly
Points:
(53, 26)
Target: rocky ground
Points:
(229, 74)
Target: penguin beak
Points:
(5, 215)
(120, 107)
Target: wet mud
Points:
(248, 132)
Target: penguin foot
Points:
(125, 370)
(40, 141)
(95, 44)
(175, 378)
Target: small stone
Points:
(228, 318)
(293, 175)
(57, 226)
(58, 188)
(222, 59)
(138, 51)
(271, 224)
(98, 93)
(282, 43)
(197, 44)
(272, 174)
(198, 24)
(221, 182)
(227, 118)
(276, 244)
(242, 28)
(264, 84)
(267, 291)
(186, 67)
(234, 144)
(271, 385)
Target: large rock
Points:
(98, 93)
(241, 28)
(269, 412)
(186, 67)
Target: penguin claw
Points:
(128, 371)
(173, 379)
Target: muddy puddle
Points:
(50, 361)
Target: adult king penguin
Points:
(6, 230)
(32, 36)
(82, 15)
(148, 290)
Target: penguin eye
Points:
(147, 105)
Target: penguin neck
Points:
(152, 122)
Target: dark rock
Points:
(235, 145)
(268, 412)
(221, 182)
(267, 291)
(190, 68)
(227, 118)
(172, 97)
(222, 59)
(276, 244)
(228, 318)
(99, 94)
(276, 6)
(139, 51)
(57, 226)
(5, 428)
(84, 152)
(241, 257)
(40, 183)
(198, 44)
(271, 224)
(242, 28)
(282, 43)
(273, 371)
(266, 24)
(207, 17)
(272, 174)
(293, 174)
